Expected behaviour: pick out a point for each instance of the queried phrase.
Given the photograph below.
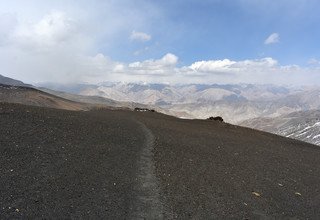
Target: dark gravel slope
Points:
(63, 164)
(129, 165)
(212, 170)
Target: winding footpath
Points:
(148, 203)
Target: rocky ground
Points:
(118, 164)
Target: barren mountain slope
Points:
(12, 82)
(133, 165)
(31, 96)
(304, 126)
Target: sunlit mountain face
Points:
(303, 125)
(234, 102)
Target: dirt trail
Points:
(148, 203)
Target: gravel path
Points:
(148, 204)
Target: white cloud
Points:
(272, 39)
(267, 63)
(7, 24)
(48, 49)
(266, 70)
(140, 36)
(54, 30)
(161, 66)
(212, 65)
(166, 61)
(55, 47)
(314, 61)
(233, 67)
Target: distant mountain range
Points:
(287, 111)
(235, 103)
(101, 101)
(14, 91)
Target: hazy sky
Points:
(172, 41)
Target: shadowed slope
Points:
(12, 82)
(31, 96)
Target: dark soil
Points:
(63, 164)
(111, 164)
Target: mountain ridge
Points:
(235, 103)
(13, 82)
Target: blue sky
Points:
(202, 30)
(208, 41)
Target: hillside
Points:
(120, 164)
(32, 96)
(12, 82)
(304, 126)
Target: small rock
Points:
(256, 194)
(280, 184)
(298, 194)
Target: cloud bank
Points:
(166, 70)
(56, 48)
